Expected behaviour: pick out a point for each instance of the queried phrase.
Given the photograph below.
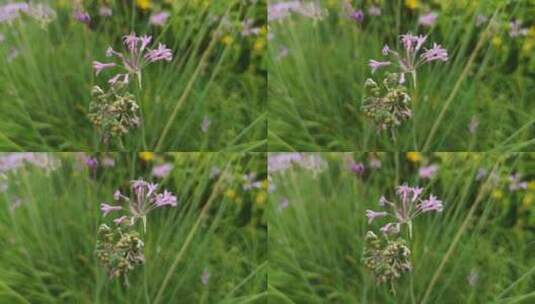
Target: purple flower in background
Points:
(372, 215)
(82, 16)
(436, 53)
(159, 18)
(357, 168)
(105, 11)
(91, 162)
(162, 171)
(375, 65)
(281, 10)
(205, 124)
(9, 12)
(428, 20)
(428, 172)
(374, 10)
(358, 16)
(106, 208)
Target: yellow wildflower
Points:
(531, 185)
(265, 184)
(143, 4)
(497, 41)
(146, 156)
(332, 3)
(414, 157)
(261, 198)
(497, 194)
(528, 200)
(227, 40)
(259, 45)
(230, 193)
(412, 4)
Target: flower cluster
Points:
(282, 10)
(410, 205)
(113, 113)
(134, 59)
(119, 252)
(387, 106)
(40, 12)
(144, 198)
(387, 259)
(413, 57)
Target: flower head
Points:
(435, 53)
(431, 204)
(161, 53)
(82, 16)
(162, 171)
(358, 16)
(428, 172)
(164, 199)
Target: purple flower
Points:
(374, 10)
(357, 168)
(436, 53)
(431, 204)
(162, 171)
(117, 195)
(413, 43)
(428, 172)
(99, 66)
(138, 55)
(358, 16)
(373, 215)
(374, 64)
(105, 208)
(164, 199)
(159, 18)
(205, 124)
(10, 11)
(161, 53)
(105, 11)
(428, 20)
(82, 16)
(91, 162)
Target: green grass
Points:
(48, 241)
(316, 243)
(46, 90)
(315, 92)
